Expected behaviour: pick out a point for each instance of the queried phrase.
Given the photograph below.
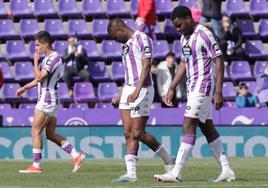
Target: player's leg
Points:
(39, 123)
(78, 157)
(216, 146)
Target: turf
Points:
(250, 172)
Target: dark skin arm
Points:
(218, 98)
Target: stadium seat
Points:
(60, 46)
(7, 30)
(84, 92)
(16, 50)
(228, 91)
(32, 94)
(44, 9)
(187, 3)
(103, 105)
(8, 77)
(170, 30)
(262, 83)
(78, 27)
(247, 28)
(78, 106)
(263, 96)
(99, 28)
(116, 8)
(240, 70)
(252, 87)
(176, 48)
(258, 8)
(23, 71)
(111, 50)
(259, 68)
(236, 8)
(91, 48)
(92, 8)
(55, 28)
(107, 90)
(163, 7)
(20, 9)
(226, 75)
(8, 92)
(97, 71)
(263, 28)
(134, 7)
(5, 106)
(18, 117)
(28, 28)
(160, 48)
(27, 106)
(254, 49)
(63, 92)
(68, 9)
(3, 12)
(118, 71)
(130, 23)
(229, 104)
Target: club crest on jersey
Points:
(147, 50)
(125, 50)
(216, 47)
(187, 51)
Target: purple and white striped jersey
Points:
(137, 48)
(47, 88)
(198, 51)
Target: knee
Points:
(127, 134)
(138, 135)
(35, 133)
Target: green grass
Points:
(250, 172)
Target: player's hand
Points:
(133, 96)
(36, 56)
(168, 98)
(115, 101)
(20, 91)
(218, 100)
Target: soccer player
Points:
(201, 56)
(47, 74)
(137, 96)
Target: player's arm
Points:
(39, 75)
(218, 98)
(29, 85)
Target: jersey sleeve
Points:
(211, 44)
(145, 46)
(182, 53)
(51, 64)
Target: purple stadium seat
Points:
(16, 50)
(31, 48)
(7, 29)
(60, 46)
(188, 3)
(263, 28)
(235, 8)
(68, 9)
(63, 92)
(104, 105)
(84, 92)
(163, 7)
(229, 104)
(259, 68)
(262, 83)
(118, 71)
(170, 30)
(107, 90)
(240, 70)
(176, 48)
(44, 9)
(6, 72)
(9, 91)
(134, 7)
(111, 49)
(23, 71)
(78, 106)
(130, 23)
(55, 28)
(252, 87)
(78, 27)
(92, 8)
(97, 71)
(226, 75)
(21, 9)
(99, 28)
(228, 91)
(32, 94)
(5, 106)
(255, 49)
(160, 49)
(28, 28)
(3, 12)
(27, 106)
(247, 28)
(91, 48)
(263, 96)
(18, 117)
(258, 8)
(116, 8)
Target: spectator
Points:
(265, 72)
(230, 39)
(75, 57)
(166, 71)
(146, 19)
(212, 12)
(154, 77)
(246, 99)
(1, 78)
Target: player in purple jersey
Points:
(137, 96)
(47, 74)
(201, 57)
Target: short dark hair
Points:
(44, 36)
(243, 85)
(170, 54)
(115, 22)
(181, 12)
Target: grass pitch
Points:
(250, 172)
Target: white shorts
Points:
(199, 106)
(141, 107)
(49, 109)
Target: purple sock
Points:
(189, 139)
(67, 147)
(132, 153)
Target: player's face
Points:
(41, 47)
(118, 34)
(183, 25)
